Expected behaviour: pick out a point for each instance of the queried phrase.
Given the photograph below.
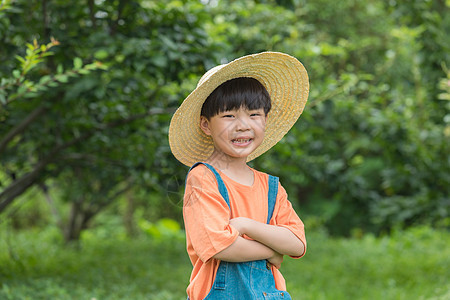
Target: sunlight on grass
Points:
(412, 264)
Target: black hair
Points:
(236, 93)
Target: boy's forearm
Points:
(243, 250)
(278, 238)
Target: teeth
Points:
(241, 140)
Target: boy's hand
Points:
(241, 224)
(247, 226)
(276, 260)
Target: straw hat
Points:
(282, 75)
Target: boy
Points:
(238, 221)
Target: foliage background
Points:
(88, 88)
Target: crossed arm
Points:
(270, 242)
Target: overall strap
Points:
(272, 195)
(222, 188)
(273, 191)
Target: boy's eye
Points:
(256, 113)
(227, 116)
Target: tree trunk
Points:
(128, 218)
(53, 209)
(21, 185)
(91, 6)
(72, 231)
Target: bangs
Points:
(234, 94)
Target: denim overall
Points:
(245, 280)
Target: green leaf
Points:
(84, 71)
(30, 47)
(77, 63)
(16, 73)
(49, 53)
(60, 69)
(22, 89)
(101, 54)
(62, 78)
(31, 95)
(30, 53)
(41, 88)
(45, 79)
(444, 96)
(20, 58)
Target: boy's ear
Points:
(204, 125)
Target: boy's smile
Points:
(236, 133)
(242, 142)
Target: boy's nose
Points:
(242, 124)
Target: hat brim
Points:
(282, 75)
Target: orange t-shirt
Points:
(206, 217)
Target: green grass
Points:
(412, 264)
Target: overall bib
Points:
(245, 280)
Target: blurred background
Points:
(91, 196)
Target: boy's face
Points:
(236, 133)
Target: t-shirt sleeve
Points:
(206, 214)
(286, 216)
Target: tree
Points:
(370, 150)
(104, 133)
